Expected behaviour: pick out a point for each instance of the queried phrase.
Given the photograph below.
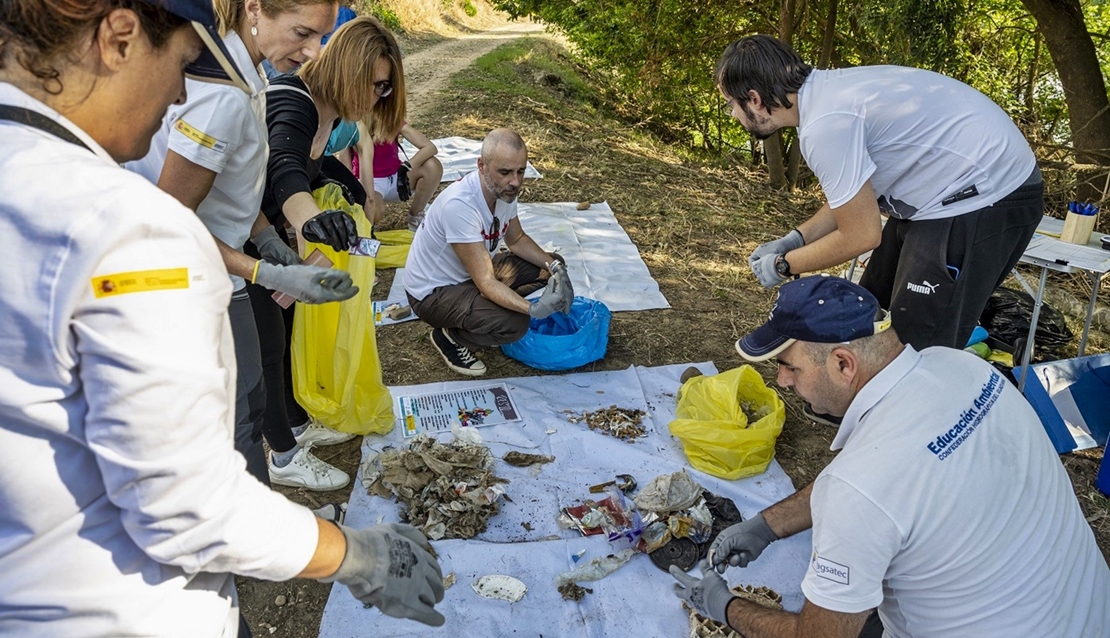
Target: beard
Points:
(502, 193)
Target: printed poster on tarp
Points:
(472, 407)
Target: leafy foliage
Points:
(658, 55)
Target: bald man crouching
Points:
(456, 280)
(947, 508)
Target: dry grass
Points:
(430, 20)
(694, 222)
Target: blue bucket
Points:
(564, 341)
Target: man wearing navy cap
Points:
(947, 509)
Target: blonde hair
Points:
(232, 13)
(343, 75)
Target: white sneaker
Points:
(321, 435)
(309, 472)
(415, 221)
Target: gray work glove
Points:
(332, 227)
(390, 566)
(554, 299)
(781, 246)
(708, 595)
(310, 284)
(559, 269)
(764, 271)
(741, 544)
(274, 249)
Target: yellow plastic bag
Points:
(394, 251)
(714, 431)
(337, 376)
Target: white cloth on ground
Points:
(459, 156)
(602, 261)
(637, 599)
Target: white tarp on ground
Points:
(459, 156)
(634, 601)
(603, 262)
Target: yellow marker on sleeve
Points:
(140, 281)
(199, 136)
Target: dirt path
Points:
(428, 70)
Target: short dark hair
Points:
(762, 64)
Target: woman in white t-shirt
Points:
(211, 154)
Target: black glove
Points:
(404, 190)
(332, 227)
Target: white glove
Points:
(274, 249)
(781, 246)
(765, 271)
(741, 543)
(554, 299)
(708, 595)
(389, 566)
(310, 284)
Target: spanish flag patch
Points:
(200, 137)
(140, 281)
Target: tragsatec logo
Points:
(829, 570)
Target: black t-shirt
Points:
(292, 119)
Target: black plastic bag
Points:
(1007, 317)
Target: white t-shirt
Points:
(949, 510)
(459, 215)
(920, 137)
(124, 506)
(224, 130)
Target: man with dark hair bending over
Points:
(456, 280)
(954, 174)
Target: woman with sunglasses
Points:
(124, 508)
(351, 79)
(211, 155)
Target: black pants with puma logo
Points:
(935, 276)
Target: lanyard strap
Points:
(34, 119)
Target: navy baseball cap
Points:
(817, 309)
(215, 63)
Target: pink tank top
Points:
(387, 159)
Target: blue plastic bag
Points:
(564, 341)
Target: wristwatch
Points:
(782, 267)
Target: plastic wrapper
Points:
(613, 516)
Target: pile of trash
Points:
(446, 490)
(626, 424)
(681, 519)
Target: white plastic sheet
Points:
(634, 601)
(602, 261)
(459, 156)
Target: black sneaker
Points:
(820, 417)
(459, 358)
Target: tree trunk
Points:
(829, 37)
(772, 149)
(773, 146)
(1073, 53)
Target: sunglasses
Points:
(494, 235)
(383, 88)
